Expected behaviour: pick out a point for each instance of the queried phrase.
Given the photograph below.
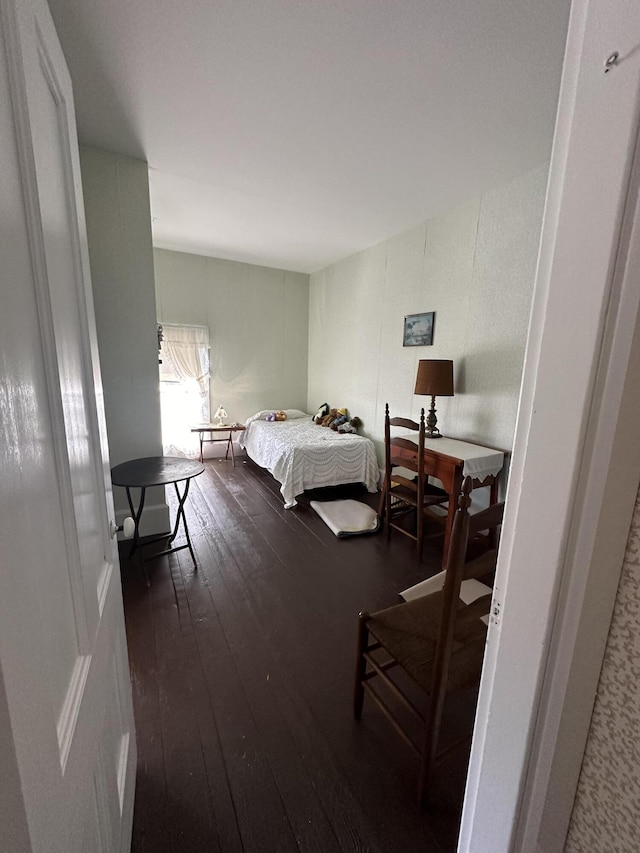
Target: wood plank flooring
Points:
(242, 677)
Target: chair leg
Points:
(419, 532)
(431, 739)
(387, 514)
(361, 664)
(382, 503)
(427, 763)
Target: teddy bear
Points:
(321, 413)
(350, 426)
(329, 418)
(342, 418)
(271, 416)
(281, 416)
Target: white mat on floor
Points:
(348, 517)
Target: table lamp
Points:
(434, 379)
(221, 416)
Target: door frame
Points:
(576, 461)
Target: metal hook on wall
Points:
(611, 62)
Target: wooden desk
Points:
(450, 461)
(211, 428)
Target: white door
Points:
(67, 743)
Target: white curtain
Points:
(187, 348)
(184, 385)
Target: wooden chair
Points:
(408, 494)
(437, 640)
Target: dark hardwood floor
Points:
(242, 678)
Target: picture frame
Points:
(418, 329)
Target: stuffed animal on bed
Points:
(281, 416)
(341, 419)
(350, 426)
(271, 416)
(334, 416)
(321, 413)
(329, 418)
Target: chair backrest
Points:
(404, 452)
(460, 568)
(406, 423)
(461, 631)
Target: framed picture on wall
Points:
(418, 330)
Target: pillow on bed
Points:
(291, 414)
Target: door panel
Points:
(63, 661)
(64, 278)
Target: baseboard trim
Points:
(155, 520)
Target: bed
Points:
(302, 455)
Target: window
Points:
(184, 384)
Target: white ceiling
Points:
(292, 133)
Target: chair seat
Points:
(431, 491)
(432, 494)
(436, 639)
(409, 633)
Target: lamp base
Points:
(432, 430)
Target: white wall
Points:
(605, 812)
(474, 266)
(258, 327)
(116, 200)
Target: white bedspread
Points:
(302, 455)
